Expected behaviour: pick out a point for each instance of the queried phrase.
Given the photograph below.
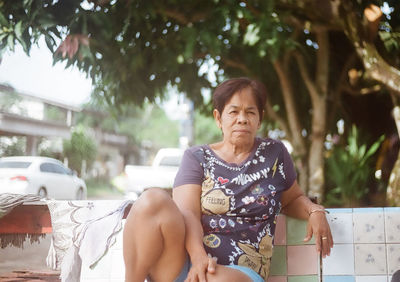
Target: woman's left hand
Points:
(319, 227)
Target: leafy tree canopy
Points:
(307, 52)
(133, 49)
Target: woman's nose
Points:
(242, 118)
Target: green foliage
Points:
(349, 168)
(14, 146)
(78, 148)
(153, 125)
(54, 113)
(141, 124)
(98, 188)
(8, 99)
(205, 129)
(136, 48)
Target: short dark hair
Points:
(224, 92)
(396, 276)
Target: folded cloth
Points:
(83, 231)
(8, 201)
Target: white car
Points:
(42, 176)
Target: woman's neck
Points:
(232, 153)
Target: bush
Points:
(81, 147)
(349, 168)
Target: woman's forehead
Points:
(244, 96)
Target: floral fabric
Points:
(240, 203)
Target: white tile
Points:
(94, 280)
(369, 227)
(117, 265)
(393, 258)
(341, 227)
(370, 259)
(392, 226)
(341, 260)
(377, 278)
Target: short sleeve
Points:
(288, 168)
(190, 170)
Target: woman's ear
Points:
(217, 118)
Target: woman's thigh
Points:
(154, 237)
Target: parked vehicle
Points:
(42, 176)
(161, 173)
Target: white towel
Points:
(83, 231)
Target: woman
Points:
(226, 198)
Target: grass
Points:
(102, 189)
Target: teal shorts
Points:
(246, 270)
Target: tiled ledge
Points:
(367, 246)
(367, 249)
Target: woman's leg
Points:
(227, 274)
(154, 238)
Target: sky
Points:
(36, 75)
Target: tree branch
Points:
(311, 87)
(275, 116)
(181, 17)
(322, 71)
(291, 111)
(237, 65)
(376, 67)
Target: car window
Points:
(47, 167)
(53, 168)
(14, 164)
(171, 161)
(59, 169)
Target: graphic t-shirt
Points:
(239, 202)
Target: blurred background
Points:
(115, 90)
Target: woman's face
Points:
(240, 118)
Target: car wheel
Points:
(42, 193)
(79, 194)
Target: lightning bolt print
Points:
(274, 167)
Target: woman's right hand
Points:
(199, 269)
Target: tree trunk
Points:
(316, 158)
(294, 125)
(393, 189)
(318, 121)
(318, 91)
(376, 68)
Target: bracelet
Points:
(318, 210)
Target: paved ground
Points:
(31, 257)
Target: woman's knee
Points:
(154, 202)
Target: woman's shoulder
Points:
(268, 144)
(196, 148)
(266, 141)
(196, 152)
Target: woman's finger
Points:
(309, 233)
(212, 263)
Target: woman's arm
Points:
(187, 198)
(296, 204)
